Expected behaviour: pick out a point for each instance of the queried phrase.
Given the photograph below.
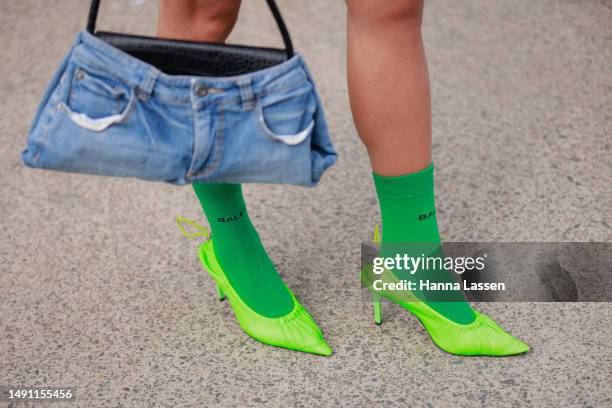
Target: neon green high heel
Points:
(481, 337)
(296, 330)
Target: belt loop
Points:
(246, 93)
(145, 89)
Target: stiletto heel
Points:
(377, 308)
(220, 294)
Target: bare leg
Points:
(197, 20)
(391, 104)
(389, 84)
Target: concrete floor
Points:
(99, 290)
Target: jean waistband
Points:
(149, 80)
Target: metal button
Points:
(201, 90)
(80, 74)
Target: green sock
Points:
(408, 212)
(240, 252)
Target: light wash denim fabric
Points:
(106, 112)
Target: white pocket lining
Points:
(99, 124)
(290, 140)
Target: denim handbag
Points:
(181, 111)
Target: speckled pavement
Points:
(99, 290)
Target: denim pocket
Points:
(287, 117)
(97, 124)
(96, 102)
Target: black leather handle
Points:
(95, 7)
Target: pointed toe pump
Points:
(296, 330)
(482, 337)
